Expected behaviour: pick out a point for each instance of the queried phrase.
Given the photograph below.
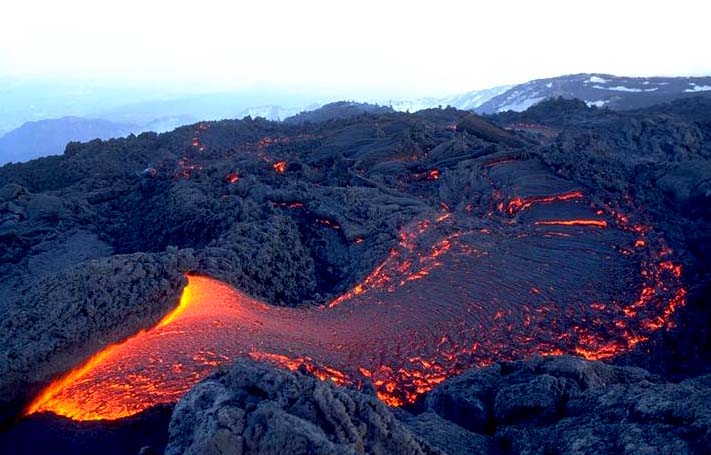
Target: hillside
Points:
(600, 90)
(337, 110)
(49, 137)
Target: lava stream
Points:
(430, 310)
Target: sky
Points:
(402, 48)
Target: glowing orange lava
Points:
(232, 178)
(443, 300)
(280, 167)
(518, 204)
(91, 406)
(593, 223)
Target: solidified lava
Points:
(557, 276)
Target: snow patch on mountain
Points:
(622, 88)
(596, 80)
(698, 88)
(520, 105)
(467, 101)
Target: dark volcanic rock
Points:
(338, 110)
(48, 434)
(257, 409)
(566, 405)
(446, 435)
(467, 400)
(556, 405)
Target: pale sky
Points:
(400, 47)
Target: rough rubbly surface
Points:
(446, 435)
(568, 405)
(562, 405)
(257, 409)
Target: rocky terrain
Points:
(542, 406)
(95, 244)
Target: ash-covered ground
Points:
(408, 248)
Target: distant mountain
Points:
(466, 102)
(50, 137)
(30, 99)
(600, 90)
(272, 105)
(338, 110)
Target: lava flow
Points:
(562, 277)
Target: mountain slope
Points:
(337, 110)
(601, 90)
(466, 101)
(49, 137)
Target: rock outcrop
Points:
(257, 409)
(553, 405)
(567, 405)
(561, 405)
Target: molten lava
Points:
(518, 204)
(87, 405)
(232, 177)
(443, 300)
(593, 223)
(280, 167)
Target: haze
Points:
(369, 48)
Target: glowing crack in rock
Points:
(279, 167)
(443, 300)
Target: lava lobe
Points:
(549, 274)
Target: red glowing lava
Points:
(593, 223)
(443, 300)
(186, 169)
(232, 177)
(518, 204)
(280, 167)
(328, 223)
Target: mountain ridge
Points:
(595, 89)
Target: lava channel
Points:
(440, 303)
